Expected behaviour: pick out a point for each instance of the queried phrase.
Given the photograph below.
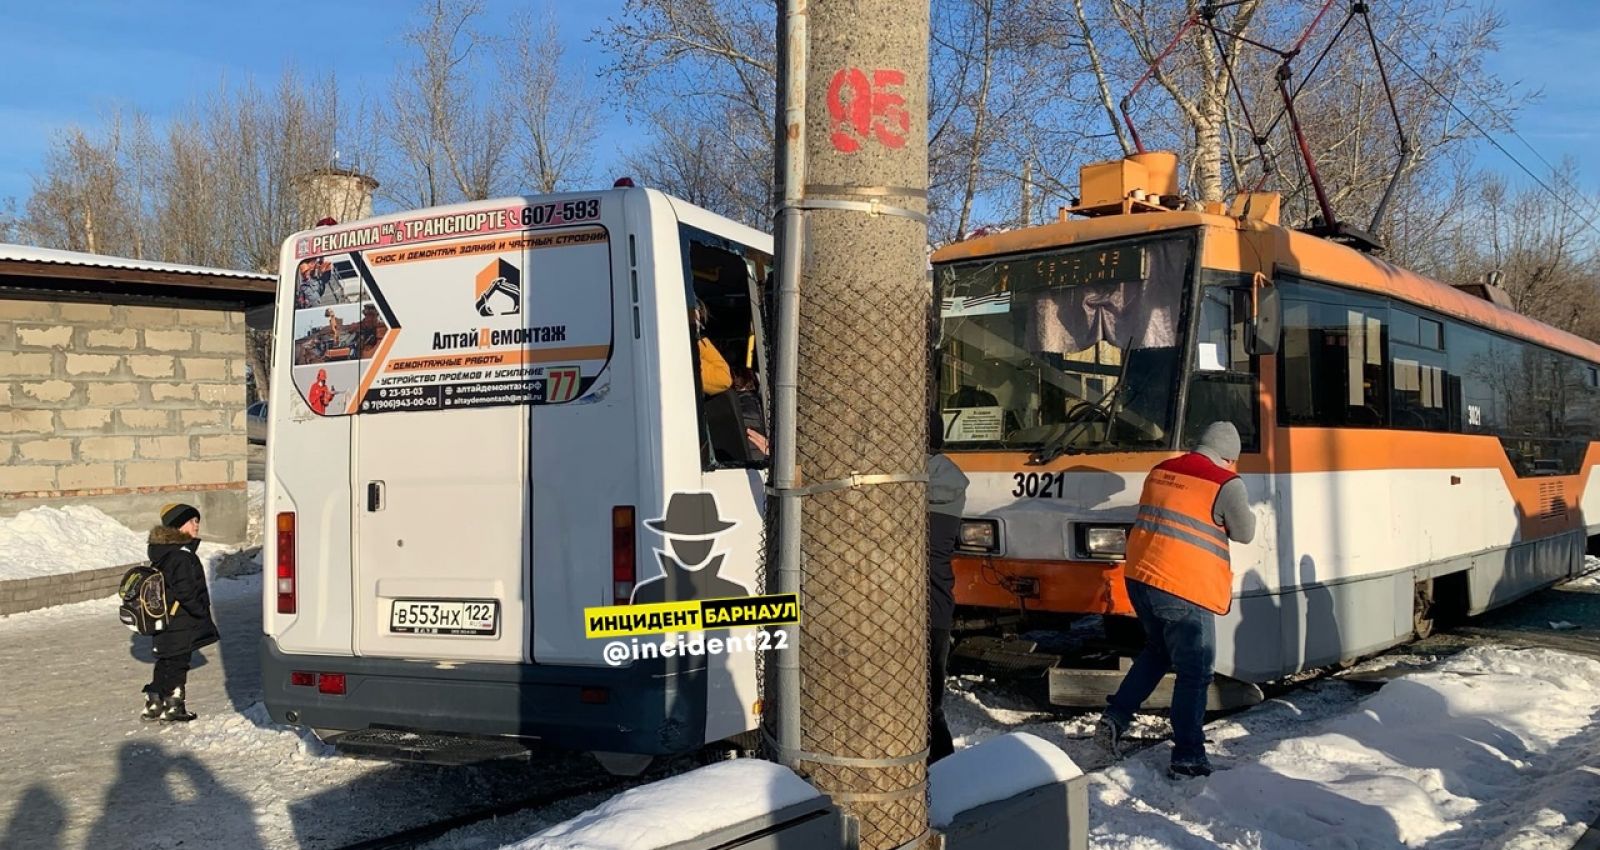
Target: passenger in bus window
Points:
(715, 376)
(755, 421)
(1179, 578)
(947, 499)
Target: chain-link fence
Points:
(860, 441)
(863, 639)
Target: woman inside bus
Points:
(717, 377)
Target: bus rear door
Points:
(486, 334)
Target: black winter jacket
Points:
(191, 627)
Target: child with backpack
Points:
(188, 625)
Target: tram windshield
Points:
(1064, 350)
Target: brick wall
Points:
(124, 407)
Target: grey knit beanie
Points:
(1220, 439)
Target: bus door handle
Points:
(374, 495)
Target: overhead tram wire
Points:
(1592, 205)
(1587, 220)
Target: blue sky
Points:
(68, 61)
(1550, 46)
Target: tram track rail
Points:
(423, 833)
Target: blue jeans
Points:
(1179, 636)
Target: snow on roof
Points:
(51, 256)
(682, 808)
(996, 769)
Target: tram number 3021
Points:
(1040, 485)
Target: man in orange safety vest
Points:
(1179, 578)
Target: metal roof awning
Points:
(25, 268)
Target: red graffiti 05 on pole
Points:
(864, 109)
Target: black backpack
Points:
(144, 608)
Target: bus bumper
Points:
(649, 708)
(1060, 587)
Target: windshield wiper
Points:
(1105, 407)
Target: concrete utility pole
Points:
(850, 393)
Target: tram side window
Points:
(1333, 369)
(1222, 385)
(1479, 360)
(726, 337)
(1421, 396)
(1534, 400)
(1580, 388)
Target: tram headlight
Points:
(980, 535)
(1105, 541)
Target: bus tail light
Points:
(286, 565)
(624, 569)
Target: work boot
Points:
(174, 711)
(1188, 770)
(153, 706)
(1108, 735)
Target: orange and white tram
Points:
(1411, 448)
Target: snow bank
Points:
(682, 808)
(1487, 750)
(47, 541)
(993, 770)
(257, 506)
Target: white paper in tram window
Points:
(1357, 351)
(1210, 359)
(974, 424)
(1406, 379)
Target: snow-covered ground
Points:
(1493, 747)
(679, 809)
(78, 769)
(257, 506)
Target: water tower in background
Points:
(341, 194)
